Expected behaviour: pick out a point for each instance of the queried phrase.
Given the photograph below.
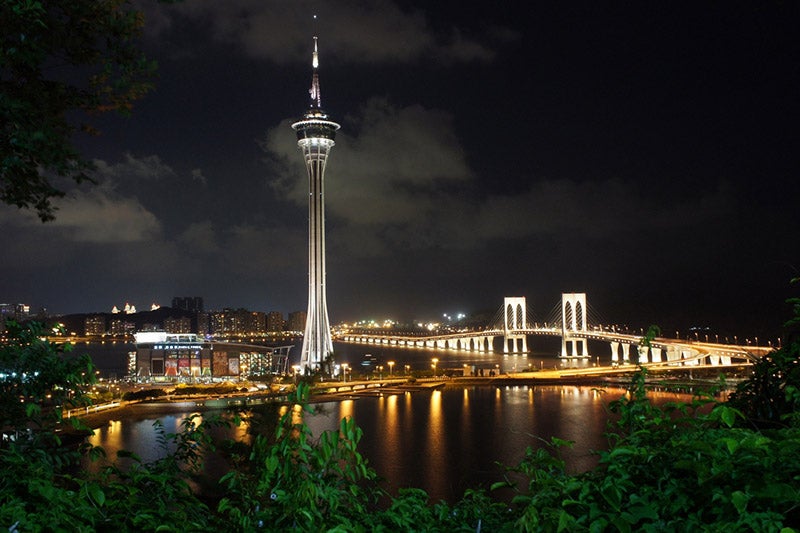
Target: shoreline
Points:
(362, 389)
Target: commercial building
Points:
(162, 356)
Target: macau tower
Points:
(315, 135)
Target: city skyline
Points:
(642, 154)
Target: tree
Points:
(58, 58)
(771, 396)
(39, 380)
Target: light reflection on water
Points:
(443, 441)
(446, 441)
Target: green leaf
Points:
(739, 500)
(96, 493)
(728, 415)
(565, 522)
(732, 445)
(612, 495)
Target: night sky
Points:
(645, 153)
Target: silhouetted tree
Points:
(57, 58)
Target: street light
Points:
(345, 366)
(434, 360)
(391, 367)
(380, 371)
(408, 369)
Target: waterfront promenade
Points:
(98, 415)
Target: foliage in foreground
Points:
(669, 469)
(679, 467)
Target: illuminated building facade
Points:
(178, 324)
(165, 355)
(238, 323)
(315, 137)
(275, 321)
(122, 328)
(162, 356)
(95, 325)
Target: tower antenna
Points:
(316, 96)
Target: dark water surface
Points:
(442, 441)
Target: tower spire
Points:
(316, 96)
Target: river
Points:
(443, 441)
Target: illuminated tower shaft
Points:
(315, 135)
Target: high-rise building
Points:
(121, 327)
(203, 324)
(256, 323)
(238, 323)
(193, 304)
(178, 324)
(275, 321)
(315, 136)
(226, 322)
(94, 325)
(17, 312)
(297, 321)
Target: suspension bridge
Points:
(570, 322)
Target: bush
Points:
(681, 467)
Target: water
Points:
(449, 440)
(442, 441)
(110, 357)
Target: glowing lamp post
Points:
(345, 366)
(391, 367)
(433, 365)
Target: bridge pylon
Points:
(514, 324)
(573, 320)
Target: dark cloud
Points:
(643, 154)
(354, 31)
